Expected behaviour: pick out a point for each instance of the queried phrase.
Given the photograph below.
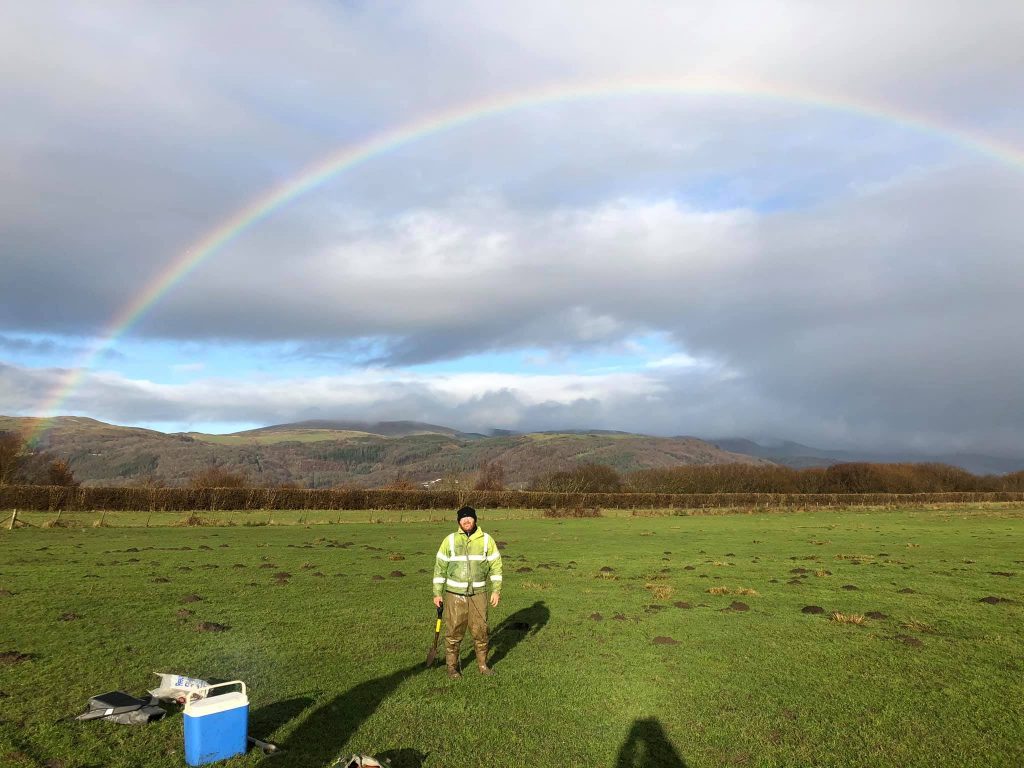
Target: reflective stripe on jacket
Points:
(466, 565)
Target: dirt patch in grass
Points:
(850, 587)
(913, 642)
(396, 574)
(906, 591)
(606, 569)
(319, 575)
(662, 640)
(377, 578)
(524, 569)
(653, 608)
(682, 604)
(211, 626)
(69, 616)
(993, 600)
(812, 609)
(877, 615)
(619, 617)
(191, 599)
(239, 565)
(280, 575)
(15, 657)
(267, 565)
(161, 580)
(596, 617)
(736, 605)
(184, 613)
(689, 568)
(1002, 573)
(798, 570)
(184, 568)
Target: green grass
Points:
(334, 662)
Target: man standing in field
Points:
(466, 562)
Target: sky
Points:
(776, 220)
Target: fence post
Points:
(14, 519)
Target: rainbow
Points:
(349, 156)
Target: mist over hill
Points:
(799, 456)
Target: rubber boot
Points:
(451, 658)
(481, 662)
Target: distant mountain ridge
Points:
(328, 453)
(797, 455)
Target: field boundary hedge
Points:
(54, 498)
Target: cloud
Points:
(855, 276)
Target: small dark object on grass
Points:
(654, 608)
(15, 657)
(682, 604)
(606, 569)
(689, 568)
(993, 600)
(913, 642)
(812, 609)
(69, 616)
(184, 613)
(662, 640)
(596, 617)
(6, 593)
(239, 565)
(850, 587)
(877, 615)
(211, 626)
(191, 599)
(736, 605)
(1001, 573)
(397, 574)
(282, 575)
(619, 617)
(907, 591)
(268, 565)
(798, 570)
(378, 578)
(319, 574)
(524, 569)
(161, 580)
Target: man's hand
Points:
(438, 600)
(495, 597)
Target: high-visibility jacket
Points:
(466, 565)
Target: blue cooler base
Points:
(216, 737)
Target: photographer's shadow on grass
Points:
(648, 746)
(325, 732)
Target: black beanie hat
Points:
(465, 512)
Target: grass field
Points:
(639, 665)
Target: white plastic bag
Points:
(177, 687)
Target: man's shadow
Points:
(326, 731)
(647, 746)
(512, 630)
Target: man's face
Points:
(467, 524)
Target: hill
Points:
(327, 453)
